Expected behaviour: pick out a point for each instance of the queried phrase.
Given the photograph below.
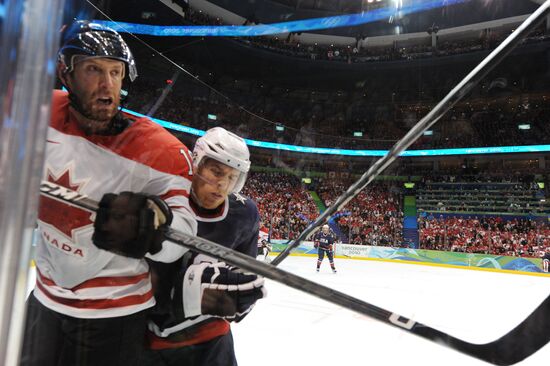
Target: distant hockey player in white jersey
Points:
(264, 246)
(324, 242)
(546, 261)
(197, 297)
(93, 290)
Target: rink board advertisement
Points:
(427, 256)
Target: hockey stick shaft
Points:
(456, 94)
(504, 351)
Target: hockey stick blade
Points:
(524, 340)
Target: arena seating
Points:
(488, 197)
(285, 206)
(488, 235)
(491, 217)
(331, 120)
(373, 217)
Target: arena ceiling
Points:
(455, 15)
(227, 57)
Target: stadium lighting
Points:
(428, 133)
(524, 126)
(212, 117)
(346, 152)
(279, 128)
(357, 134)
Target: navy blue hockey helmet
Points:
(88, 39)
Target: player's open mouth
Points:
(104, 101)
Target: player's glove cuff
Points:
(218, 290)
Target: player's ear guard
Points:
(131, 224)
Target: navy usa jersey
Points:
(234, 225)
(324, 240)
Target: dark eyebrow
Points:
(91, 61)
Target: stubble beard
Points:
(97, 120)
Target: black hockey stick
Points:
(456, 94)
(524, 340)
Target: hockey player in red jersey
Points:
(93, 290)
(198, 297)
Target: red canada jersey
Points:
(74, 277)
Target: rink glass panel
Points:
(285, 90)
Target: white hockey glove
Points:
(219, 290)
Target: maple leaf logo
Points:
(64, 217)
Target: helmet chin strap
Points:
(195, 198)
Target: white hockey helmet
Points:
(227, 148)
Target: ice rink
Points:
(290, 328)
(295, 329)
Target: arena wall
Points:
(425, 257)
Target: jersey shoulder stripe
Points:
(137, 142)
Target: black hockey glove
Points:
(218, 290)
(131, 224)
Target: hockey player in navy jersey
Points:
(324, 242)
(93, 289)
(196, 330)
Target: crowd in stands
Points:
(523, 181)
(483, 193)
(487, 235)
(358, 54)
(331, 123)
(373, 217)
(286, 208)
